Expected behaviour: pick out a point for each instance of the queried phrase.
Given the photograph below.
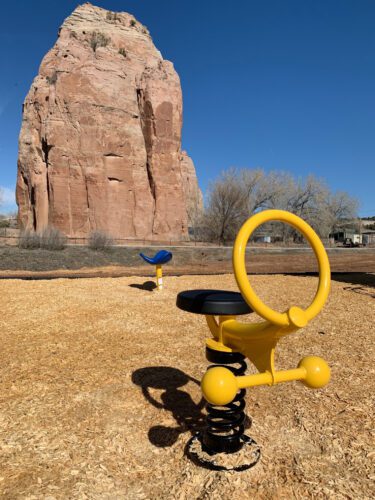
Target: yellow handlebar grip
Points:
(294, 316)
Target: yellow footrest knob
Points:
(318, 372)
(219, 386)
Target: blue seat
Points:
(161, 257)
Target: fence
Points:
(11, 237)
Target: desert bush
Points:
(29, 240)
(49, 239)
(98, 240)
(98, 40)
(52, 239)
(132, 22)
(52, 79)
(111, 16)
(122, 51)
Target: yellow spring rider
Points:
(224, 385)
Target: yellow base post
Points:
(159, 277)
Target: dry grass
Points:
(126, 261)
(83, 413)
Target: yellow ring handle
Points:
(294, 316)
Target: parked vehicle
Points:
(349, 243)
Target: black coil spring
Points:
(225, 424)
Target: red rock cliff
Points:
(100, 143)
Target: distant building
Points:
(368, 237)
(260, 238)
(343, 235)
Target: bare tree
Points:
(239, 193)
(234, 197)
(259, 188)
(195, 214)
(304, 198)
(226, 208)
(340, 209)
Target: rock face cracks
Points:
(100, 143)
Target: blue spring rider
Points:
(161, 257)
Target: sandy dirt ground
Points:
(99, 394)
(82, 262)
(340, 262)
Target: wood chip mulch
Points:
(99, 394)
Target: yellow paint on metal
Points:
(318, 372)
(258, 341)
(159, 277)
(213, 326)
(217, 346)
(277, 318)
(219, 386)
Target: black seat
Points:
(212, 302)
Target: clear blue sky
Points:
(281, 84)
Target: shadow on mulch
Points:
(363, 279)
(362, 283)
(187, 414)
(149, 286)
(357, 278)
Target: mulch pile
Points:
(99, 394)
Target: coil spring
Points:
(225, 424)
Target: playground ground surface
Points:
(99, 393)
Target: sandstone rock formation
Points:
(193, 195)
(100, 143)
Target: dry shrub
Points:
(52, 239)
(29, 240)
(49, 239)
(99, 240)
(111, 16)
(52, 79)
(98, 40)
